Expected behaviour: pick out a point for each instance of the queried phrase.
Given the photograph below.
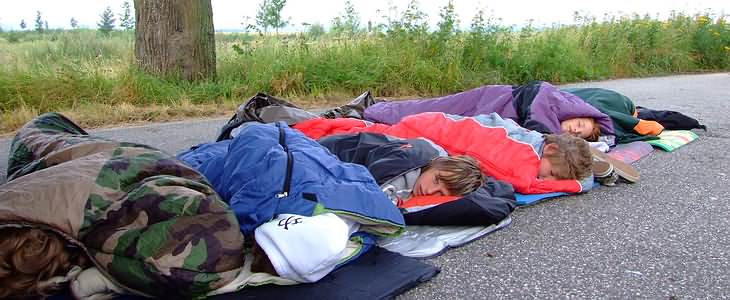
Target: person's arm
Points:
(385, 157)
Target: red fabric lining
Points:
(417, 201)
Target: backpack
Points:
(265, 108)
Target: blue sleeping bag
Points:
(270, 169)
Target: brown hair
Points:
(261, 262)
(595, 133)
(465, 174)
(572, 159)
(29, 256)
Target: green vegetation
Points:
(269, 15)
(38, 22)
(347, 23)
(126, 17)
(106, 24)
(92, 76)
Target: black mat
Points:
(378, 274)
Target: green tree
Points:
(262, 18)
(487, 43)
(275, 14)
(247, 24)
(412, 20)
(348, 22)
(126, 19)
(449, 23)
(447, 28)
(38, 22)
(316, 30)
(22, 24)
(269, 15)
(478, 25)
(74, 23)
(106, 24)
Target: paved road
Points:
(665, 237)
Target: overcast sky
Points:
(228, 14)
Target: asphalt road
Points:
(666, 237)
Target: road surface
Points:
(666, 237)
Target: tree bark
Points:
(175, 38)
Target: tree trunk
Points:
(175, 38)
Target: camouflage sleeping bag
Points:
(148, 222)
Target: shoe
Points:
(601, 169)
(603, 173)
(622, 169)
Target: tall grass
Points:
(80, 70)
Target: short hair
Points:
(595, 133)
(30, 256)
(572, 159)
(465, 174)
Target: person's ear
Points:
(550, 149)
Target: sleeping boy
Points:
(532, 162)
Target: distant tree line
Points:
(269, 16)
(107, 20)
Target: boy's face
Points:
(546, 170)
(428, 184)
(580, 127)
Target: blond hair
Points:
(572, 159)
(29, 256)
(463, 174)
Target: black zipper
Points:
(289, 163)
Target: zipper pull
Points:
(282, 195)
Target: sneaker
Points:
(609, 180)
(603, 173)
(601, 169)
(622, 169)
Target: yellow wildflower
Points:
(703, 20)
